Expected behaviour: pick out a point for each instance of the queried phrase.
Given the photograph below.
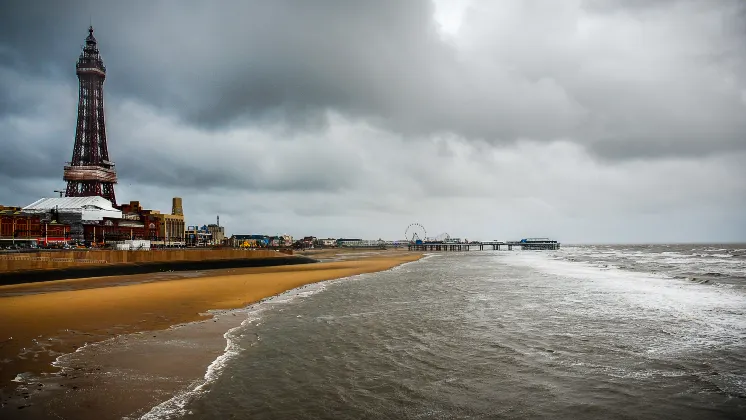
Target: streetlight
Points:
(58, 191)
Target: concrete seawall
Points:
(128, 268)
(45, 260)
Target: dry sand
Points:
(40, 321)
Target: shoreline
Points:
(107, 309)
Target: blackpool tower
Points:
(90, 173)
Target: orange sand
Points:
(72, 312)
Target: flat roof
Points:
(70, 203)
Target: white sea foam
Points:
(674, 254)
(22, 378)
(706, 316)
(722, 255)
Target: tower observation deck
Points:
(90, 172)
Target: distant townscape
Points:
(86, 214)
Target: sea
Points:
(584, 332)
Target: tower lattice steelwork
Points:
(90, 172)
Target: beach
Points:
(42, 321)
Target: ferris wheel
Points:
(443, 237)
(415, 232)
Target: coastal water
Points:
(615, 332)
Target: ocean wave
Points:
(176, 407)
(649, 279)
(719, 265)
(527, 318)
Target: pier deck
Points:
(495, 245)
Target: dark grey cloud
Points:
(527, 71)
(284, 58)
(25, 162)
(243, 172)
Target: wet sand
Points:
(42, 321)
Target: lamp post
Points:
(60, 192)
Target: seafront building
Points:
(198, 236)
(172, 228)
(18, 228)
(248, 241)
(90, 221)
(75, 212)
(328, 242)
(217, 232)
(308, 242)
(95, 221)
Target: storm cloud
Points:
(588, 120)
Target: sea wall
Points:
(129, 268)
(45, 260)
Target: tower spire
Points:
(90, 172)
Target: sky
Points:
(607, 121)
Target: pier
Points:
(526, 244)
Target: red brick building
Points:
(136, 223)
(19, 228)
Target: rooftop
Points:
(70, 203)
